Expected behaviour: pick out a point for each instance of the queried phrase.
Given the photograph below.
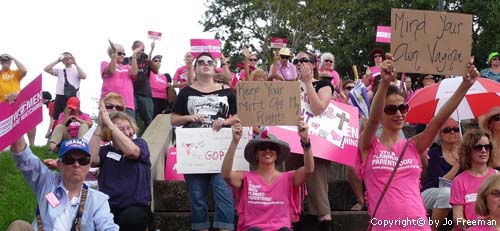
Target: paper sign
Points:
(278, 42)
(334, 134)
(211, 46)
(154, 35)
(431, 42)
(18, 118)
(171, 166)
(268, 102)
(202, 150)
(383, 34)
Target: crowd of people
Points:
(457, 173)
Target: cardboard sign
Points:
(154, 35)
(431, 42)
(212, 46)
(383, 34)
(268, 102)
(202, 150)
(278, 42)
(171, 166)
(18, 118)
(334, 134)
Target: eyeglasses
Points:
(495, 118)
(328, 61)
(302, 60)
(392, 109)
(265, 146)
(450, 129)
(479, 147)
(495, 193)
(156, 61)
(70, 160)
(115, 107)
(284, 57)
(119, 53)
(202, 62)
(349, 88)
(253, 60)
(377, 56)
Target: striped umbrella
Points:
(427, 102)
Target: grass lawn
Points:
(17, 201)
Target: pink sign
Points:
(278, 42)
(212, 46)
(171, 166)
(154, 35)
(339, 144)
(383, 34)
(18, 118)
(375, 70)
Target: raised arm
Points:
(81, 73)
(51, 65)
(120, 140)
(233, 178)
(424, 139)
(301, 174)
(318, 101)
(133, 61)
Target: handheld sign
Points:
(430, 42)
(278, 42)
(171, 166)
(202, 150)
(383, 34)
(154, 35)
(212, 46)
(18, 118)
(268, 103)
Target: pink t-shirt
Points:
(268, 207)
(75, 125)
(464, 191)
(119, 82)
(158, 84)
(181, 75)
(335, 78)
(402, 199)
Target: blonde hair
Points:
(487, 187)
(114, 96)
(110, 49)
(470, 139)
(106, 132)
(258, 72)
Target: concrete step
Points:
(342, 220)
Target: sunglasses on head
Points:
(495, 118)
(349, 88)
(392, 109)
(70, 160)
(202, 62)
(302, 60)
(252, 60)
(265, 146)
(328, 61)
(479, 147)
(284, 57)
(451, 129)
(115, 107)
(119, 53)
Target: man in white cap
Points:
(282, 69)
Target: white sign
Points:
(202, 150)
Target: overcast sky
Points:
(37, 32)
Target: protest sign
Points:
(212, 46)
(383, 34)
(430, 42)
(171, 166)
(154, 35)
(24, 114)
(202, 150)
(278, 42)
(268, 103)
(334, 134)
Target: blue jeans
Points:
(144, 106)
(198, 186)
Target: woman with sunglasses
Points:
(327, 65)
(319, 94)
(159, 84)
(207, 104)
(267, 199)
(282, 69)
(125, 169)
(475, 159)
(488, 205)
(117, 77)
(443, 166)
(491, 122)
(378, 155)
(250, 64)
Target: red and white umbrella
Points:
(427, 102)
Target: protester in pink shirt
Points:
(159, 83)
(117, 77)
(327, 65)
(488, 205)
(379, 155)
(250, 64)
(475, 159)
(267, 199)
(184, 76)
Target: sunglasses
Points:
(119, 53)
(377, 56)
(70, 160)
(479, 147)
(302, 60)
(392, 109)
(328, 61)
(349, 88)
(284, 57)
(495, 118)
(115, 107)
(202, 62)
(253, 60)
(451, 129)
(495, 58)
(495, 193)
(265, 146)
(156, 61)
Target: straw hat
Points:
(250, 151)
